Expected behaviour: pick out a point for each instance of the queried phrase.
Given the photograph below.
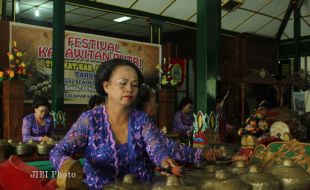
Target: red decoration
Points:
(15, 174)
(177, 69)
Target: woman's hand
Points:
(45, 138)
(168, 162)
(211, 153)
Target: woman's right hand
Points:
(168, 162)
(45, 138)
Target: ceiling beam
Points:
(131, 12)
(121, 10)
(85, 30)
(285, 20)
(286, 47)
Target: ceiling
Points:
(260, 17)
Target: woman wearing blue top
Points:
(38, 126)
(147, 102)
(115, 138)
(183, 119)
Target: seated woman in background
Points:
(183, 119)
(146, 101)
(38, 126)
(95, 101)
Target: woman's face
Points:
(187, 108)
(41, 111)
(122, 87)
(151, 106)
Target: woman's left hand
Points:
(168, 162)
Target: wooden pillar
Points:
(3, 9)
(166, 102)
(13, 109)
(208, 40)
(4, 63)
(166, 96)
(155, 27)
(297, 34)
(13, 11)
(242, 101)
(58, 86)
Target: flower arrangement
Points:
(17, 67)
(256, 129)
(166, 80)
(255, 125)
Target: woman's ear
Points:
(106, 86)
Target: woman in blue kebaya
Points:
(114, 138)
(147, 102)
(38, 126)
(183, 119)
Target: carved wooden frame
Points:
(276, 152)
